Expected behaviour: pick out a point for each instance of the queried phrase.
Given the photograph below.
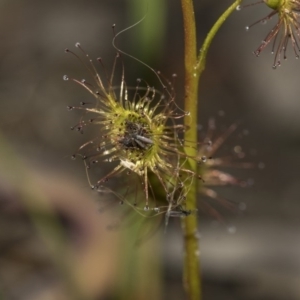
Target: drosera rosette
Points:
(137, 139)
(285, 31)
(215, 170)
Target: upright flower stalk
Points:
(194, 66)
(138, 137)
(191, 275)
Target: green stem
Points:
(193, 70)
(211, 35)
(191, 277)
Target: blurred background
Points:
(55, 242)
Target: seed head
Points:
(287, 29)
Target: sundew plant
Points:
(146, 146)
(138, 142)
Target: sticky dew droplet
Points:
(156, 209)
(247, 28)
(231, 229)
(237, 149)
(264, 21)
(239, 7)
(197, 235)
(65, 77)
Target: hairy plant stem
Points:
(191, 272)
(193, 70)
